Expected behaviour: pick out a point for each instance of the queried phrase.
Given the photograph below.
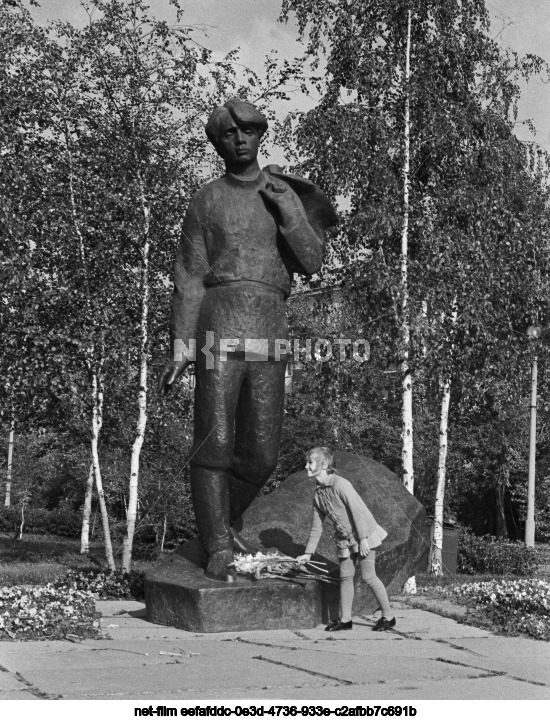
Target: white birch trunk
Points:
(22, 521)
(142, 395)
(407, 416)
(424, 323)
(436, 559)
(85, 532)
(435, 564)
(163, 539)
(93, 524)
(97, 422)
(9, 472)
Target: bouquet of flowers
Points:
(276, 565)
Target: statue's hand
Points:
(170, 373)
(281, 200)
(273, 190)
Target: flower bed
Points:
(64, 608)
(112, 585)
(512, 607)
(47, 612)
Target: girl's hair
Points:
(325, 454)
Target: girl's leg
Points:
(368, 573)
(347, 572)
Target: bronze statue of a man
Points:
(243, 237)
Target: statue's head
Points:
(235, 130)
(234, 113)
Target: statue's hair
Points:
(325, 454)
(237, 111)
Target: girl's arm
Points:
(314, 534)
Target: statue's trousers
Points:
(239, 398)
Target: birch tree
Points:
(435, 563)
(9, 466)
(398, 76)
(94, 347)
(87, 512)
(492, 263)
(64, 201)
(57, 225)
(405, 319)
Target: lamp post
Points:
(533, 332)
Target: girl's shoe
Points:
(338, 625)
(383, 624)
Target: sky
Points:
(251, 25)
(526, 26)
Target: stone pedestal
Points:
(177, 593)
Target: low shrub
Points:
(47, 612)
(58, 522)
(487, 554)
(63, 522)
(106, 585)
(513, 607)
(10, 519)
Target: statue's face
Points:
(238, 145)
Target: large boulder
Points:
(177, 593)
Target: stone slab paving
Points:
(19, 695)
(10, 683)
(397, 692)
(524, 658)
(427, 657)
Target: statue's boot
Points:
(218, 566)
(210, 494)
(241, 495)
(242, 546)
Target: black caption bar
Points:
(283, 710)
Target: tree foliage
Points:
(478, 244)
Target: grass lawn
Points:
(41, 559)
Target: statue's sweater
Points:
(352, 520)
(231, 240)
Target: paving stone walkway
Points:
(427, 656)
